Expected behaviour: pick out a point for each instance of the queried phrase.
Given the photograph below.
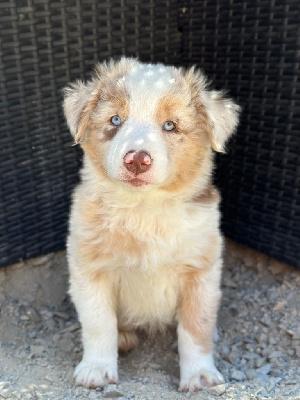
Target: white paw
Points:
(127, 340)
(93, 375)
(204, 378)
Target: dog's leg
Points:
(199, 299)
(127, 340)
(94, 301)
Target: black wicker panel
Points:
(44, 45)
(252, 48)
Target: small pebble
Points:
(238, 375)
(250, 356)
(93, 395)
(276, 268)
(154, 365)
(33, 314)
(112, 394)
(262, 338)
(275, 354)
(37, 350)
(259, 362)
(5, 393)
(296, 335)
(71, 328)
(270, 385)
(24, 318)
(37, 262)
(229, 283)
(17, 395)
(61, 315)
(279, 305)
(218, 390)
(266, 369)
(261, 392)
(251, 374)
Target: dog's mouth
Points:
(136, 182)
(139, 182)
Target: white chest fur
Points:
(146, 298)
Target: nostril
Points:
(129, 157)
(145, 158)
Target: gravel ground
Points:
(258, 351)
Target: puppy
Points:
(144, 248)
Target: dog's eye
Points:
(116, 120)
(169, 126)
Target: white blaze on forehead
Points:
(146, 84)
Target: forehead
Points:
(146, 84)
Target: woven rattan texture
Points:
(248, 47)
(252, 48)
(44, 45)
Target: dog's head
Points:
(145, 125)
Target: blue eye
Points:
(169, 126)
(116, 120)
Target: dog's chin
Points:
(137, 185)
(136, 182)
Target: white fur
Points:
(224, 116)
(197, 369)
(146, 84)
(94, 305)
(75, 99)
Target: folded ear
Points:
(76, 99)
(223, 114)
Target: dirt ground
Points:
(258, 351)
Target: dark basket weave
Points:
(250, 48)
(43, 46)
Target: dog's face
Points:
(146, 126)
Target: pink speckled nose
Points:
(137, 161)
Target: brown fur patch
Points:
(95, 150)
(113, 101)
(90, 251)
(102, 241)
(199, 299)
(209, 196)
(82, 127)
(188, 145)
(108, 99)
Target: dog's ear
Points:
(223, 114)
(76, 99)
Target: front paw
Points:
(204, 378)
(94, 374)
